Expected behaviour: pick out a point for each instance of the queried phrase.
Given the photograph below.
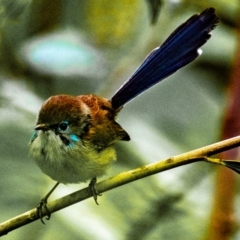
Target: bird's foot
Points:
(43, 206)
(93, 190)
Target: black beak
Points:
(42, 126)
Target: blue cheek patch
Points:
(74, 139)
(33, 137)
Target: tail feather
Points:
(179, 49)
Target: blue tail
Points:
(180, 48)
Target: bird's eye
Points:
(63, 126)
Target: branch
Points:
(201, 154)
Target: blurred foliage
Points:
(78, 47)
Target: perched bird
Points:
(74, 136)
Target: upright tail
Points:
(180, 48)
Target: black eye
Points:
(63, 126)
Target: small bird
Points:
(74, 136)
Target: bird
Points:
(73, 140)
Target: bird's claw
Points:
(93, 190)
(43, 205)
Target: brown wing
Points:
(104, 130)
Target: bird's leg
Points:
(93, 190)
(43, 204)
